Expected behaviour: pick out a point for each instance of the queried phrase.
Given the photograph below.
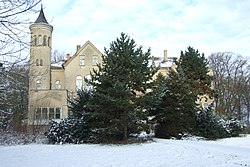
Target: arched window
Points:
(49, 42)
(87, 85)
(35, 40)
(37, 62)
(58, 84)
(78, 82)
(40, 40)
(44, 40)
(41, 62)
(38, 84)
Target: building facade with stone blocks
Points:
(50, 85)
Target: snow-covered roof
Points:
(160, 62)
(58, 64)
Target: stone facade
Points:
(52, 84)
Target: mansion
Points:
(50, 85)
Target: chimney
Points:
(78, 47)
(68, 57)
(165, 59)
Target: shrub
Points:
(212, 126)
(69, 130)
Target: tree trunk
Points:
(125, 126)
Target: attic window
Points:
(82, 60)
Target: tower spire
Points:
(41, 18)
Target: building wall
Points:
(74, 69)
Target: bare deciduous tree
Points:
(231, 80)
(13, 24)
(57, 56)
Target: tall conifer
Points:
(120, 84)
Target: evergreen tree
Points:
(195, 68)
(76, 128)
(176, 112)
(120, 85)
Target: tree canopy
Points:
(120, 84)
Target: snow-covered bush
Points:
(69, 130)
(212, 126)
(15, 138)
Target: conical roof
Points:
(41, 18)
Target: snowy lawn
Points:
(231, 152)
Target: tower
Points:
(40, 53)
(40, 71)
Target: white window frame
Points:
(79, 81)
(94, 60)
(82, 60)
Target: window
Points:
(51, 113)
(38, 113)
(38, 84)
(82, 61)
(35, 40)
(44, 40)
(87, 85)
(94, 60)
(57, 113)
(31, 41)
(37, 62)
(40, 41)
(41, 62)
(78, 82)
(58, 84)
(46, 113)
(49, 42)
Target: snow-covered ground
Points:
(231, 152)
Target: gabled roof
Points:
(77, 52)
(41, 18)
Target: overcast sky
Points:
(207, 25)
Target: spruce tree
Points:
(176, 112)
(120, 84)
(195, 68)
